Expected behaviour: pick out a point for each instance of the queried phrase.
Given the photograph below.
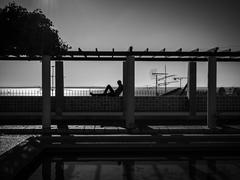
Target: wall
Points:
(114, 104)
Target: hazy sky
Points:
(153, 24)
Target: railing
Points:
(71, 91)
(85, 91)
(37, 91)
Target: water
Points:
(141, 168)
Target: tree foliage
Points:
(29, 33)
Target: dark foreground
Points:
(192, 156)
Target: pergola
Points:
(128, 58)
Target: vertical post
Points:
(46, 98)
(165, 79)
(192, 88)
(59, 87)
(59, 93)
(128, 92)
(211, 95)
(156, 88)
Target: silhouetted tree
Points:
(29, 33)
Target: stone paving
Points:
(7, 142)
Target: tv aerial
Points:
(180, 80)
(154, 74)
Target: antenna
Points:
(164, 79)
(154, 75)
(180, 80)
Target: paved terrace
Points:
(167, 142)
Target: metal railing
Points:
(72, 91)
(85, 91)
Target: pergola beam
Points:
(79, 50)
(112, 53)
(154, 53)
(113, 58)
(214, 50)
(97, 52)
(86, 54)
(144, 51)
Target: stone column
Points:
(59, 93)
(59, 87)
(192, 88)
(128, 91)
(211, 96)
(46, 98)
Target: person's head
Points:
(119, 82)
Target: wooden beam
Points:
(82, 53)
(213, 49)
(112, 53)
(97, 52)
(146, 50)
(124, 54)
(157, 53)
(179, 50)
(152, 58)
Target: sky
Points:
(118, 24)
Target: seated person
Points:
(109, 91)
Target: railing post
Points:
(211, 95)
(192, 88)
(46, 98)
(128, 92)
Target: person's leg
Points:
(108, 88)
(105, 93)
(92, 94)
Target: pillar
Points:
(192, 88)
(128, 92)
(211, 95)
(59, 75)
(59, 88)
(46, 98)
